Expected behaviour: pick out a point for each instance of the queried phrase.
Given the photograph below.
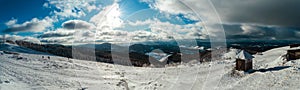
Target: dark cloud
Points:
(284, 13)
(275, 19)
(35, 25)
(260, 19)
(57, 40)
(21, 28)
(49, 35)
(57, 33)
(232, 29)
(23, 38)
(260, 32)
(77, 24)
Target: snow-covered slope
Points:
(270, 58)
(16, 48)
(59, 73)
(231, 54)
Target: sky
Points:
(87, 21)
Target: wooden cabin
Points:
(293, 54)
(294, 45)
(244, 61)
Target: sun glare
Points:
(115, 12)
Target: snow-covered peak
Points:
(244, 55)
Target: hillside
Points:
(34, 72)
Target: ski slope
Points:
(33, 72)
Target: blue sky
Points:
(23, 10)
(54, 14)
(142, 20)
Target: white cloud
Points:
(168, 29)
(35, 25)
(248, 29)
(11, 22)
(78, 24)
(59, 40)
(141, 23)
(171, 6)
(109, 17)
(24, 38)
(195, 10)
(72, 31)
(71, 8)
(174, 7)
(91, 7)
(60, 36)
(46, 5)
(56, 33)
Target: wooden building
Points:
(293, 54)
(294, 45)
(244, 61)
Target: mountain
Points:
(26, 69)
(100, 54)
(138, 52)
(103, 53)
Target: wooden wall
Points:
(293, 54)
(243, 65)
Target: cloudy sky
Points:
(85, 21)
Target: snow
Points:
(59, 73)
(157, 54)
(270, 58)
(294, 48)
(244, 55)
(231, 54)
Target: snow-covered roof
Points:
(244, 55)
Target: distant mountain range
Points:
(138, 52)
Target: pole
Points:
(3, 39)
